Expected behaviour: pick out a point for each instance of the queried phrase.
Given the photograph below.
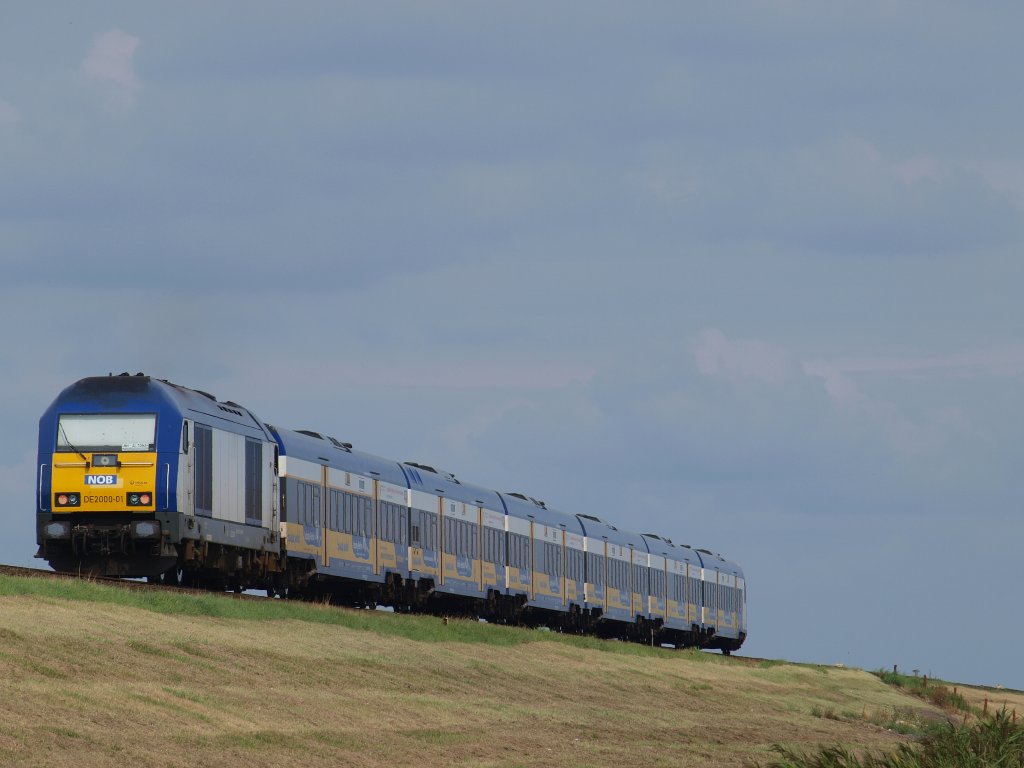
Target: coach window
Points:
(432, 531)
(414, 528)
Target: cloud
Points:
(847, 195)
(917, 169)
(110, 67)
(1005, 361)
(839, 386)
(717, 355)
(905, 402)
(908, 428)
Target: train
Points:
(139, 477)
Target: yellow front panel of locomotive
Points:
(104, 489)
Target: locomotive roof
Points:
(138, 393)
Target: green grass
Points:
(436, 736)
(426, 629)
(995, 741)
(32, 666)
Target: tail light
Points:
(140, 499)
(67, 500)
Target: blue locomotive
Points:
(139, 477)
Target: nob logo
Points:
(101, 479)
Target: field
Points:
(91, 675)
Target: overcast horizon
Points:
(746, 276)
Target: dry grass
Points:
(87, 684)
(997, 698)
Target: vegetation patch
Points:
(937, 692)
(995, 741)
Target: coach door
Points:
(321, 498)
(186, 503)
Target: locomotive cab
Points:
(98, 480)
(141, 477)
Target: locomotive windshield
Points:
(116, 432)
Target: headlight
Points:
(139, 499)
(70, 499)
(105, 460)
(146, 529)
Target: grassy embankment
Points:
(91, 675)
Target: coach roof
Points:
(319, 449)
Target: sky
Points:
(747, 275)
